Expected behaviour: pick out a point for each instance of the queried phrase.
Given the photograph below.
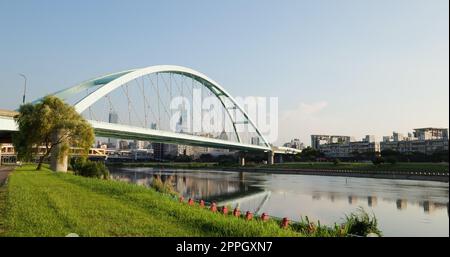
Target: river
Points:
(402, 207)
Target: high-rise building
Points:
(397, 136)
(431, 133)
(369, 138)
(255, 141)
(223, 135)
(317, 140)
(295, 143)
(158, 150)
(186, 150)
(425, 140)
(346, 147)
(112, 118)
(138, 144)
(123, 144)
(387, 138)
(182, 124)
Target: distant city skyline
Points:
(345, 67)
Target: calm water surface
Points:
(403, 207)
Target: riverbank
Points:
(4, 172)
(45, 203)
(424, 176)
(411, 171)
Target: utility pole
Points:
(24, 88)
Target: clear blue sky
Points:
(346, 67)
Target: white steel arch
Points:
(108, 83)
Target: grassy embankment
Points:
(353, 166)
(55, 204)
(401, 166)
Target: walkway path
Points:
(4, 172)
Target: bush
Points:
(76, 164)
(163, 187)
(336, 161)
(391, 160)
(361, 223)
(87, 168)
(183, 158)
(378, 160)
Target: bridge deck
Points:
(8, 113)
(104, 129)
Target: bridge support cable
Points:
(146, 99)
(180, 94)
(142, 87)
(111, 106)
(183, 81)
(160, 102)
(169, 91)
(232, 119)
(91, 113)
(171, 96)
(180, 85)
(131, 107)
(89, 109)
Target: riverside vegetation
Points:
(45, 203)
(335, 165)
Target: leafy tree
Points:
(336, 161)
(391, 159)
(206, 157)
(390, 153)
(440, 156)
(87, 168)
(183, 158)
(378, 161)
(53, 124)
(309, 154)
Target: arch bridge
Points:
(176, 80)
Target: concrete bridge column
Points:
(241, 160)
(280, 158)
(270, 157)
(59, 156)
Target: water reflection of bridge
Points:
(233, 190)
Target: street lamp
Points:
(24, 88)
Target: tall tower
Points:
(112, 118)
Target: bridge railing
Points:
(8, 150)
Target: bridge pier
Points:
(270, 157)
(59, 156)
(241, 160)
(279, 159)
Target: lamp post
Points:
(24, 88)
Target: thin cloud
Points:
(301, 121)
(304, 110)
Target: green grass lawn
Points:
(401, 166)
